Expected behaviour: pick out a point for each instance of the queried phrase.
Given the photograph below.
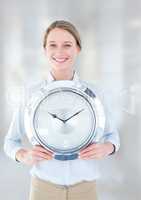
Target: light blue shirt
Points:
(60, 172)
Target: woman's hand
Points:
(96, 151)
(34, 155)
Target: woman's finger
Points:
(89, 148)
(41, 155)
(41, 149)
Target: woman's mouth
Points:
(60, 60)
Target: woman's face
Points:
(61, 49)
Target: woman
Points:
(53, 179)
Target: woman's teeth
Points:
(60, 60)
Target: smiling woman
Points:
(61, 51)
(53, 178)
(62, 45)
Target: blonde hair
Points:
(65, 25)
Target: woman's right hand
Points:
(33, 156)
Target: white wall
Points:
(111, 33)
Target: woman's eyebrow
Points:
(68, 42)
(51, 41)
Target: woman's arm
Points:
(14, 148)
(13, 139)
(110, 143)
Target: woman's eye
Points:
(52, 45)
(67, 45)
(55, 45)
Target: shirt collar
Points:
(50, 78)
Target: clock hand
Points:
(55, 116)
(74, 115)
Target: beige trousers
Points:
(43, 190)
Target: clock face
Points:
(64, 120)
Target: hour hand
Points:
(55, 116)
(74, 115)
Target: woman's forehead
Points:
(58, 34)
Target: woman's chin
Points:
(61, 67)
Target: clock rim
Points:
(42, 92)
(90, 136)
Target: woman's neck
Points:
(62, 75)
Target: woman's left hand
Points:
(96, 151)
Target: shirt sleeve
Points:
(13, 139)
(111, 133)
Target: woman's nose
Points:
(59, 51)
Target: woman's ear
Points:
(78, 49)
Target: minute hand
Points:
(73, 115)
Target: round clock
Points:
(64, 117)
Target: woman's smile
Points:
(60, 59)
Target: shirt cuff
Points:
(13, 153)
(115, 145)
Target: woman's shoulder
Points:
(94, 86)
(102, 92)
(35, 86)
(33, 89)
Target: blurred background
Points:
(111, 37)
